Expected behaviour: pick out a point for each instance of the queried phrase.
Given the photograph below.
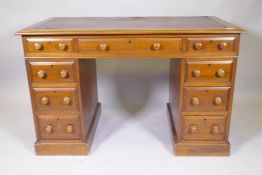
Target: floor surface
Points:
(127, 143)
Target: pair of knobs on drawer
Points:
(219, 73)
(42, 74)
(66, 100)
(49, 129)
(195, 101)
(61, 46)
(214, 129)
(105, 47)
(221, 46)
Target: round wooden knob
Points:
(195, 101)
(196, 73)
(44, 100)
(222, 45)
(103, 47)
(193, 129)
(49, 129)
(69, 129)
(38, 46)
(62, 46)
(156, 46)
(198, 46)
(218, 100)
(64, 73)
(215, 130)
(221, 73)
(41, 74)
(66, 100)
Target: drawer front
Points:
(206, 99)
(62, 127)
(204, 128)
(52, 72)
(208, 71)
(130, 44)
(49, 45)
(55, 99)
(216, 44)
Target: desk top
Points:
(129, 25)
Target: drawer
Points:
(206, 99)
(49, 45)
(130, 44)
(62, 127)
(55, 99)
(198, 71)
(203, 128)
(215, 44)
(52, 72)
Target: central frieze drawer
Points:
(130, 44)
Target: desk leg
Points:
(197, 133)
(65, 127)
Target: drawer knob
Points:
(103, 47)
(198, 46)
(69, 129)
(196, 73)
(62, 46)
(193, 129)
(44, 100)
(41, 74)
(195, 101)
(67, 100)
(156, 46)
(221, 73)
(215, 130)
(49, 129)
(64, 73)
(218, 100)
(38, 46)
(222, 45)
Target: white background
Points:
(133, 135)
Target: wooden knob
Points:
(221, 73)
(44, 100)
(156, 46)
(193, 129)
(218, 100)
(63, 73)
(66, 100)
(62, 46)
(103, 47)
(222, 45)
(198, 46)
(38, 46)
(195, 101)
(215, 130)
(49, 129)
(41, 74)
(69, 129)
(196, 73)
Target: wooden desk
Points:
(60, 57)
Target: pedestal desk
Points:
(60, 57)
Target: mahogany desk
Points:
(60, 57)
